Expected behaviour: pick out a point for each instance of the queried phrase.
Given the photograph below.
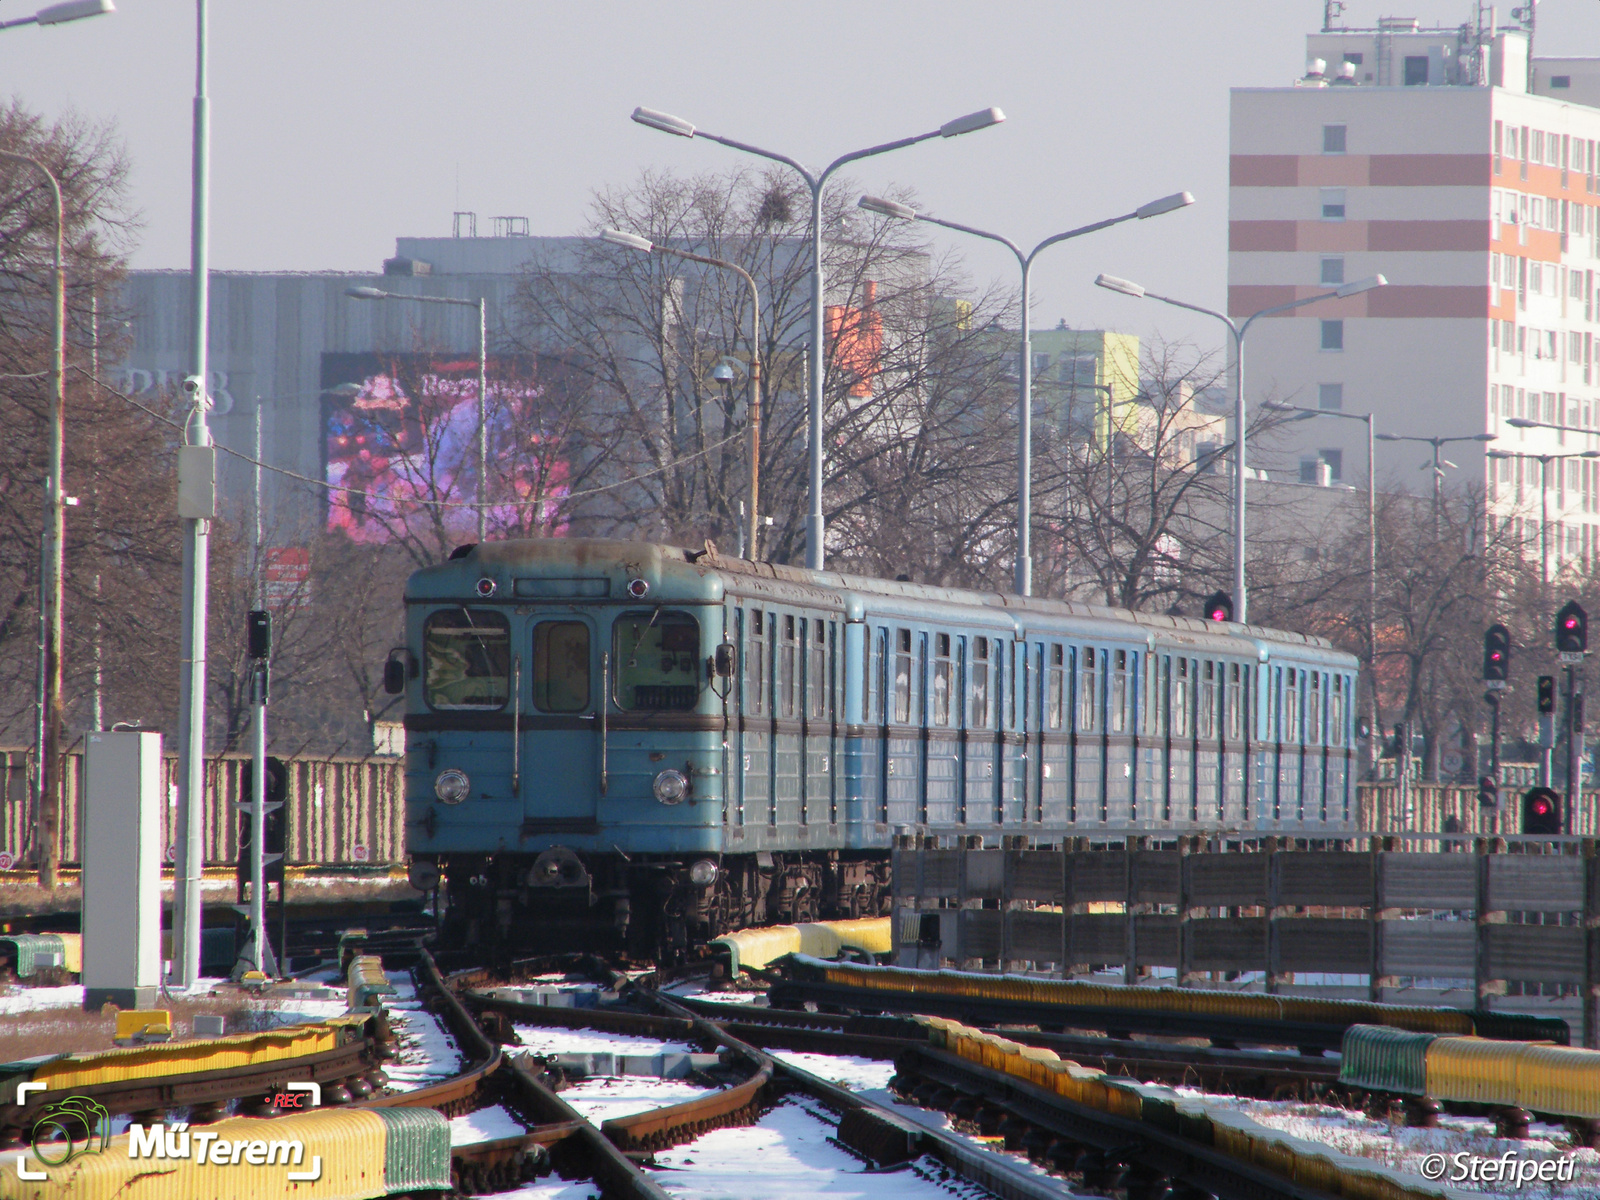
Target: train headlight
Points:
(451, 786)
(703, 873)
(670, 786)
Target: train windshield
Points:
(466, 659)
(657, 657)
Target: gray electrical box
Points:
(122, 870)
(197, 482)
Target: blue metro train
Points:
(640, 747)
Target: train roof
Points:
(675, 573)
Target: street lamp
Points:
(1544, 461)
(1023, 576)
(372, 293)
(1238, 330)
(666, 123)
(634, 242)
(60, 14)
(48, 731)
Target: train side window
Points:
(1089, 690)
(1119, 691)
(755, 666)
(466, 655)
(1231, 706)
(902, 677)
(940, 700)
(1055, 688)
(1314, 709)
(872, 663)
(1291, 706)
(816, 670)
(1206, 708)
(1180, 698)
(561, 666)
(1336, 712)
(978, 689)
(787, 667)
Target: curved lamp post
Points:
(666, 123)
(1023, 575)
(634, 242)
(1238, 329)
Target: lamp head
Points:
(887, 208)
(967, 124)
(1521, 423)
(722, 373)
(1388, 437)
(631, 240)
(1164, 205)
(1483, 437)
(1361, 285)
(73, 10)
(366, 293)
(1126, 287)
(665, 122)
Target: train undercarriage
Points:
(650, 908)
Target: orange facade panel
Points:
(1428, 235)
(1360, 170)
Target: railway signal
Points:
(1572, 629)
(1547, 695)
(1541, 811)
(1496, 654)
(1219, 607)
(266, 788)
(1488, 793)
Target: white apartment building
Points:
(1422, 154)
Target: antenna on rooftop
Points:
(1330, 13)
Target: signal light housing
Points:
(1219, 607)
(1541, 811)
(1572, 628)
(1547, 694)
(1496, 654)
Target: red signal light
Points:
(1541, 806)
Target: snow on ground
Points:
(26, 999)
(551, 1188)
(694, 990)
(857, 1074)
(604, 1097)
(485, 1125)
(428, 1053)
(540, 1039)
(787, 1154)
(939, 1121)
(1397, 1146)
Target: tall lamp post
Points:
(816, 181)
(1238, 329)
(372, 293)
(1438, 465)
(634, 242)
(47, 812)
(1023, 575)
(1544, 461)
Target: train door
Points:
(982, 749)
(817, 723)
(1180, 753)
(903, 740)
(1338, 772)
(1088, 722)
(1150, 786)
(561, 774)
(1235, 698)
(1290, 797)
(787, 742)
(1014, 740)
(1120, 672)
(943, 716)
(1054, 809)
(1207, 755)
(1316, 796)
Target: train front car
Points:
(565, 751)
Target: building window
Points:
(1416, 70)
(1310, 470)
(1561, 81)
(1333, 139)
(1333, 204)
(1330, 396)
(1354, 57)
(1333, 335)
(1333, 270)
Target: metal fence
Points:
(1505, 923)
(341, 810)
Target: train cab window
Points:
(755, 665)
(940, 699)
(871, 684)
(902, 677)
(1291, 706)
(466, 656)
(1089, 691)
(1119, 691)
(1336, 712)
(1055, 688)
(561, 666)
(1180, 698)
(817, 680)
(1314, 709)
(1233, 705)
(1206, 708)
(788, 667)
(978, 688)
(657, 661)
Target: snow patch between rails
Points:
(485, 1125)
(544, 1040)
(428, 1054)
(605, 1097)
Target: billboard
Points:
(400, 447)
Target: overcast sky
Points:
(339, 124)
